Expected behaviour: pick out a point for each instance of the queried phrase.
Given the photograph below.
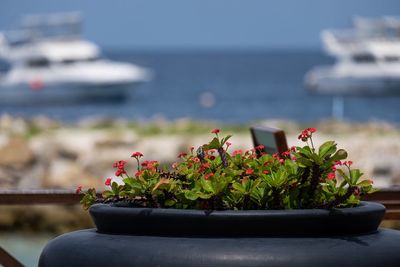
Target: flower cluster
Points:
(211, 177)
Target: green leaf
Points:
(107, 194)
(114, 187)
(226, 138)
(214, 144)
(169, 202)
(339, 155)
(327, 149)
(316, 159)
(133, 183)
(191, 195)
(207, 186)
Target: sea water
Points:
(226, 86)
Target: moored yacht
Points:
(50, 61)
(368, 59)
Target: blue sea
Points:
(225, 86)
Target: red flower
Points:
(138, 173)
(338, 162)
(357, 191)
(293, 149)
(249, 171)
(331, 176)
(108, 181)
(305, 134)
(237, 152)
(207, 176)
(119, 172)
(136, 155)
(212, 157)
(286, 154)
(215, 131)
(294, 158)
(120, 164)
(265, 172)
(182, 155)
(348, 163)
(260, 147)
(228, 144)
(78, 189)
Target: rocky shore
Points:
(43, 153)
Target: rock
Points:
(16, 154)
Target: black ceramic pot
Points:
(168, 237)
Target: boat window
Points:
(392, 58)
(71, 61)
(38, 62)
(364, 58)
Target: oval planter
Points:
(169, 237)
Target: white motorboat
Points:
(368, 59)
(49, 61)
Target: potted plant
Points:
(242, 208)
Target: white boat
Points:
(49, 61)
(368, 59)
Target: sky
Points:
(204, 24)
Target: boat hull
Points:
(63, 93)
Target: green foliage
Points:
(213, 178)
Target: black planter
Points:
(169, 237)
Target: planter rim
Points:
(110, 218)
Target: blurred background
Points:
(86, 83)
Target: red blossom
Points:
(348, 163)
(228, 144)
(195, 159)
(181, 155)
(331, 176)
(294, 158)
(78, 189)
(212, 157)
(119, 172)
(286, 154)
(145, 163)
(311, 130)
(338, 162)
(108, 181)
(305, 134)
(137, 155)
(215, 131)
(249, 171)
(120, 164)
(260, 147)
(237, 152)
(293, 149)
(207, 176)
(265, 172)
(138, 173)
(357, 191)
(333, 168)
